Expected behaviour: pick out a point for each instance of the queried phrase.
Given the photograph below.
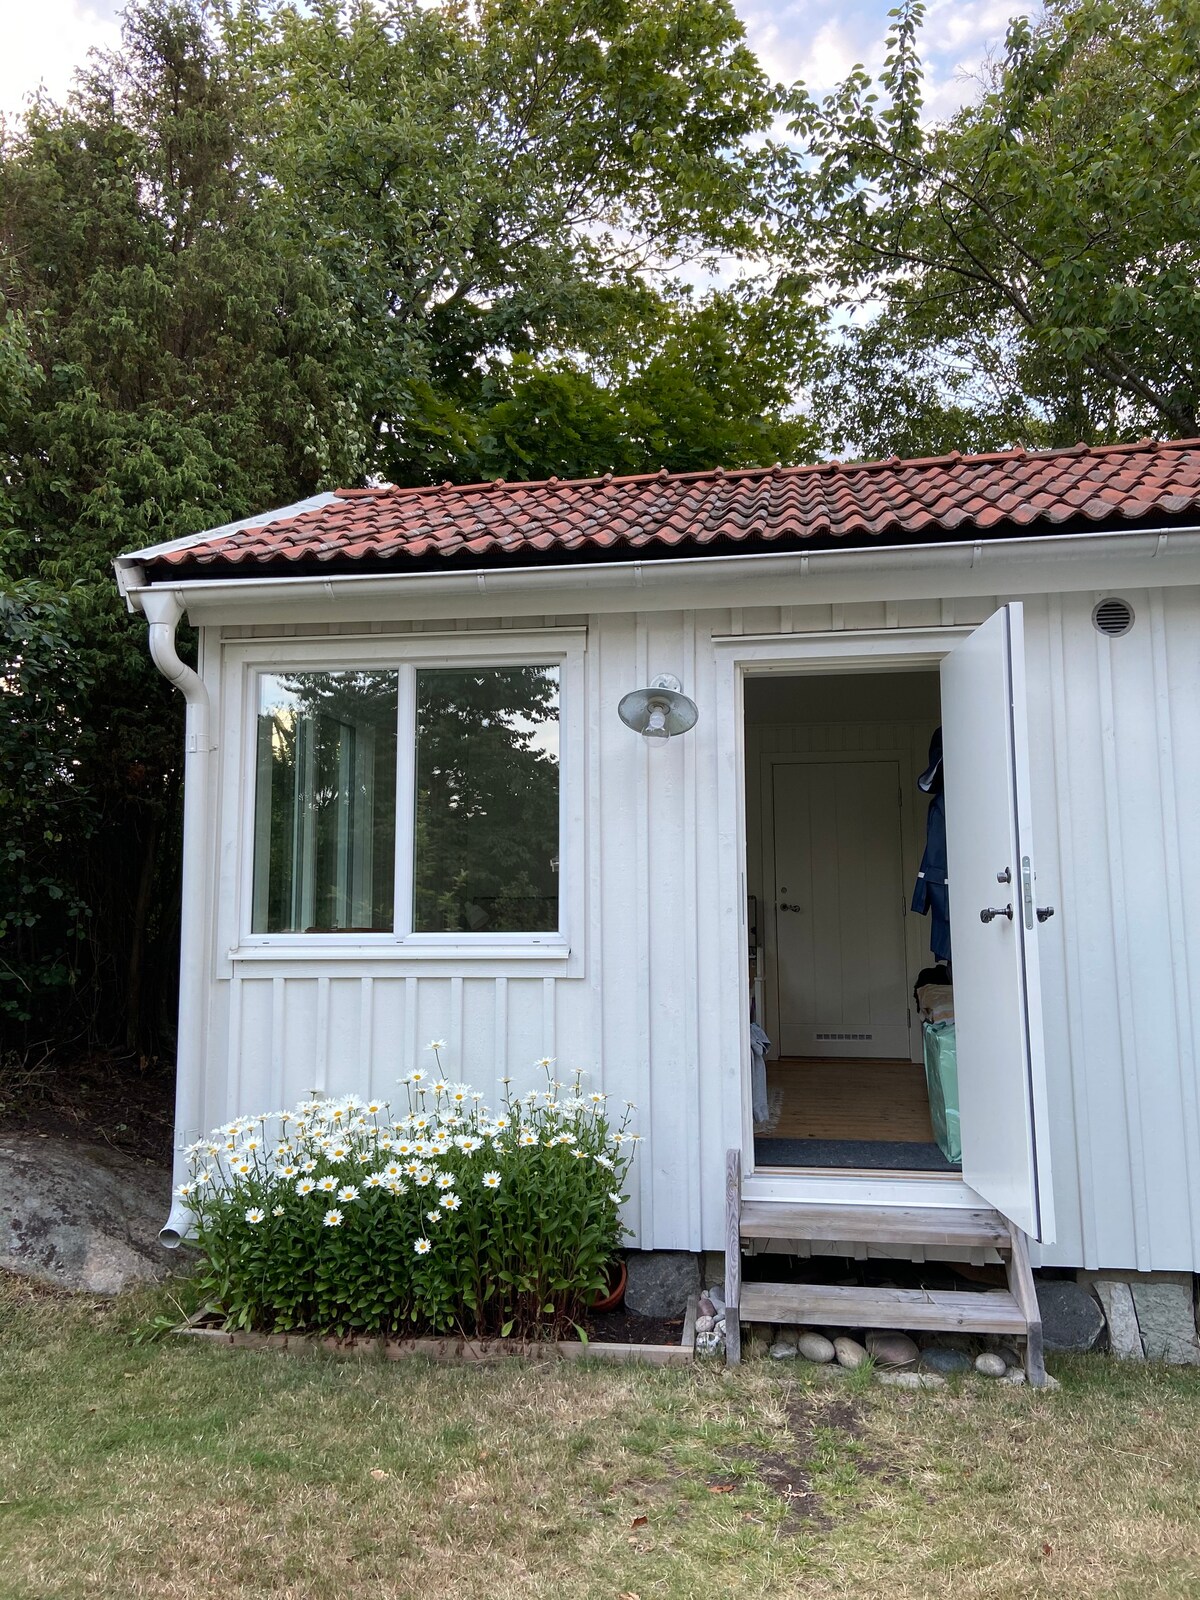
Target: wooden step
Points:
(899, 1225)
(924, 1310)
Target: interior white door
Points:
(841, 969)
(994, 924)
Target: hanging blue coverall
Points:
(931, 897)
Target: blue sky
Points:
(817, 40)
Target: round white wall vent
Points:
(1112, 617)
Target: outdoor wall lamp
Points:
(660, 711)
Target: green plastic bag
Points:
(941, 1079)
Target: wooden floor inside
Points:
(848, 1098)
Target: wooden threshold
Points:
(856, 1172)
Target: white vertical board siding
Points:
(1115, 730)
(653, 1011)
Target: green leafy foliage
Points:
(43, 918)
(1038, 254)
(265, 250)
(343, 1217)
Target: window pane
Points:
(325, 803)
(486, 848)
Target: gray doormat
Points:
(890, 1154)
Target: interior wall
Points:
(826, 713)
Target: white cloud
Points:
(44, 42)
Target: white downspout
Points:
(163, 609)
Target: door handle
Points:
(990, 913)
(784, 906)
(1044, 913)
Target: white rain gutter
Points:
(163, 609)
(647, 575)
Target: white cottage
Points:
(413, 810)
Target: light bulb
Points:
(656, 722)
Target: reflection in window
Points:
(325, 803)
(486, 846)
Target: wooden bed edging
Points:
(467, 1352)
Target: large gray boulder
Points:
(80, 1216)
(1071, 1315)
(1166, 1317)
(660, 1282)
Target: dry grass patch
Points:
(182, 1470)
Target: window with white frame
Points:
(454, 767)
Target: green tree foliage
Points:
(43, 919)
(265, 249)
(180, 365)
(1037, 256)
(496, 189)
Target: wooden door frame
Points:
(906, 767)
(739, 656)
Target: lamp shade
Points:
(660, 711)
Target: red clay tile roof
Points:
(939, 500)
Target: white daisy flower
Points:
(597, 1099)
(422, 1247)
(327, 1184)
(439, 1086)
(467, 1144)
(305, 1186)
(204, 1177)
(416, 1076)
(545, 1062)
(333, 1219)
(253, 1214)
(500, 1124)
(491, 1180)
(308, 1166)
(444, 1180)
(528, 1138)
(288, 1172)
(242, 1168)
(435, 1044)
(276, 1211)
(450, 1202)
(433, 1216)
(373, 1107)
(185, 1189)
(340, 1152)
(348, 1192)
(423, 1177)
(603, 1161)
(615, 1198)
(374, 1181)
(395, 1186)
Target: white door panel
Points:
(839, 909)
(997, 990)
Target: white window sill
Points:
(417, 947)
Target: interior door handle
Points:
(784, 906)
(1044, 913)
(990, 913)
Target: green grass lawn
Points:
(182, 1470)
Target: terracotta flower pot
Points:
(617, 1278)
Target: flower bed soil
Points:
(621, 1327)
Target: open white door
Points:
(994, 924)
